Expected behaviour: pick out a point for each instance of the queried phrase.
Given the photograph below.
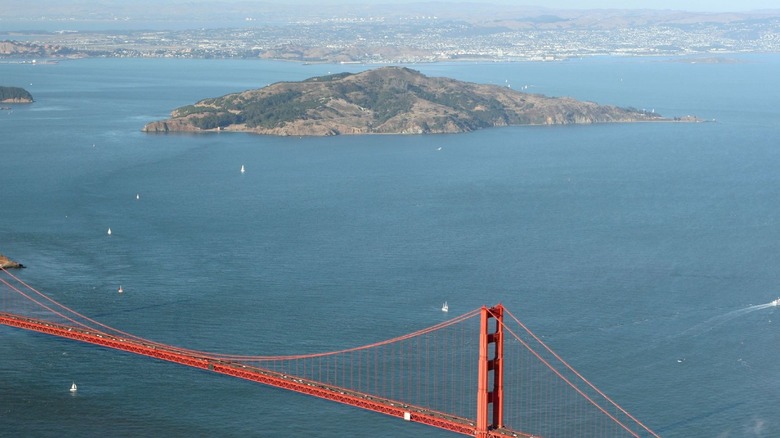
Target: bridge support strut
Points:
(490, 391)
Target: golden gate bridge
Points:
(483, 373)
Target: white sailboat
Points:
(120, 289)
(242, 169)
(73, 387)
(445, 307)
(109, 231)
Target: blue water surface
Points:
(610, 241)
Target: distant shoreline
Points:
(443, 34)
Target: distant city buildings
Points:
(417, 39)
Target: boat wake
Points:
(721, 319)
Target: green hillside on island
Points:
(14, 95)
(388, 100)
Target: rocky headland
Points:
(7, 263)
(387, 100)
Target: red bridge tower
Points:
(491, 372)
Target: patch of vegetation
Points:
(490, 109)
(329, 78)
(216, 120)
(194, 109)
(274, 110)
(386, 101)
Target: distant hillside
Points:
(15, 95)
(388, 100)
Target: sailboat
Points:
(109, 231)
(242, 169)
(73, 387)
(445, 307)
(120, 289)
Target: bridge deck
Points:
(171, 354)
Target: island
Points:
(386, 100)
(6, 263)
(15, 95)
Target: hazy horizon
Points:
(693, 6)
(48, 7)
(101, 15)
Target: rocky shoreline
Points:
(7, 263)
(16, 100)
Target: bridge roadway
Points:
(334, 393)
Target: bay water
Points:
(642, 253)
